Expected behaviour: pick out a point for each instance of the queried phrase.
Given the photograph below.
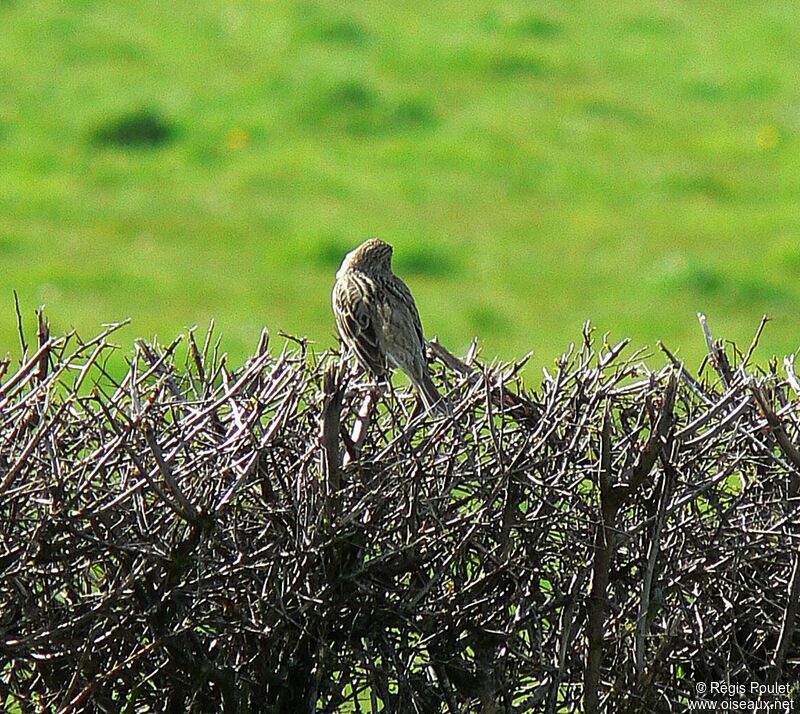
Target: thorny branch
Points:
(187, 537)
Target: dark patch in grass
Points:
(329, 251)
(707, 91)
(352, 95)
(791, 262)
(541, 28)
(752, 88)
(425, 260)
(414, 114)
(528, 179)
(343, 31)
(487, 320)
(699, 185)
(754, 291)
(708, 282)
(352, 107)
(699, 279)
(9, 246)
(274, 226)
(141, 128)
(355, 108)
(318, 23)
(601, 109)
(520, 66)
(703, 280)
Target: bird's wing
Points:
(357, 320)
(406, 311)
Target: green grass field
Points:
(535, 165)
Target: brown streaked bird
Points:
(378, 319)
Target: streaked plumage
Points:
(378, 319)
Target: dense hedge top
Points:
(284, 538)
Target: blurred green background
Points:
(535, 164)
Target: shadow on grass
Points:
(426, 260)
(708, 185)
(328, 252)
(141, 128)
(422, 260)
(709, 282)
(342, 31)
(320, 23)
(520, 65)
(541, 28)
(9, 245)
(747, 89)
(357, 109)
(487, 320)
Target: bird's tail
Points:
(427, 391)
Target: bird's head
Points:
(372, 256)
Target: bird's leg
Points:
(381, 385)
(419, 407)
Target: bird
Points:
(378, 320)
